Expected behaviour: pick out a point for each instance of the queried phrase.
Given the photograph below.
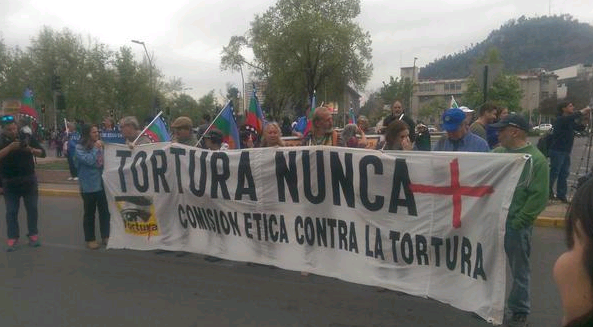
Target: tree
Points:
(207, 104)
(431, 111)
(397, 89)
(300, 46)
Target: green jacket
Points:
(531, 195)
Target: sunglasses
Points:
(6, 119)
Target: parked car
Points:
(432, 129)
(542, 127)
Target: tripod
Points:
(581, 178)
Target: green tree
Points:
(300, 46)
(397, 89)
(207, 104)
(431, 111)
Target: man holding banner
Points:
(529, 200)
(130, 130)
(322, 129)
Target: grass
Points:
(54, 165)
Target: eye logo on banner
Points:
(137, 213)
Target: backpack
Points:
(544, 143)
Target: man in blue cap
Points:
(459, 138)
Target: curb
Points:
(549, 222)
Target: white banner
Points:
(425, 223)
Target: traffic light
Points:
(56, 83)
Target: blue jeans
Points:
(12, 195)
(559, 167)
(517, 245)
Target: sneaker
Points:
(93, 245)
(75, 178)
(70, 178)
(11, 244)
(34, 241)
(518, 320)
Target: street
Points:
(64, 284)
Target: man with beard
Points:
(322, 129)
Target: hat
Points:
(452, 119)
(512, 120)
(466, 109)
(214, 135)
(182, 122)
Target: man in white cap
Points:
(469, 115)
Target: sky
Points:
(185, 38)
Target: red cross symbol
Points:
(456, 190)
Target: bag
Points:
(544, 143)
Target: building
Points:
(537, 85)
(425, 92)
(571, 74)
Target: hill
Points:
(541, 42)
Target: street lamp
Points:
(150, 84)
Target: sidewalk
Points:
(552, 216)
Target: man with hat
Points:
(17, 169)
(183, 132)
(529, 200)
(459, 138)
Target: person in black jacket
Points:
(17, 148)
(561, 146)
(397, 112)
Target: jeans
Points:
(517, 245)
(93, 201)
(559, 167)
(12, 197)
(71, 166)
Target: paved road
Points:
(63, 284)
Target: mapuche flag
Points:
(226, 123)
(27, 107)
(157, 131)
(255, 116)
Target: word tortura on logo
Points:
(148, 172)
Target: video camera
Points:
(24, 136)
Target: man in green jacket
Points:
(529, 200)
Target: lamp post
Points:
(150, 84)
(412, 88)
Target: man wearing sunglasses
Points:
(17, 169)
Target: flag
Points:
(27, 107)
(255, 116)
(453, 103)
(310, 118)
(226, 123)
(352, 117)
(157, 131)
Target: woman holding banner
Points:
(573, 271)
(272, 135)
(89, 159)
(397, 136)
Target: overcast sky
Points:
(186, 39)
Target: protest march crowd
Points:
(493, 130)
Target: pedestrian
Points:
(491, 132)
(213, 140)
(17, 169)
(322, 129)
(573, 270)
(89, 161)
(130, 130)
(561, 146)
(397, 113)
(183, 132)
(271, 135)
(458, 137)
(529, 200)
(72, 139)
(350, 139)
(487, 116)
(397, 136)
(423, 142)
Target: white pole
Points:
(147, 126)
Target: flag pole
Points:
(212, 123)
(147, 126)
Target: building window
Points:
(545, 95)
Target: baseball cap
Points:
(512, 120)
(182, 122)
(466, 109)
(452, 119)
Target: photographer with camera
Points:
(17, 170)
